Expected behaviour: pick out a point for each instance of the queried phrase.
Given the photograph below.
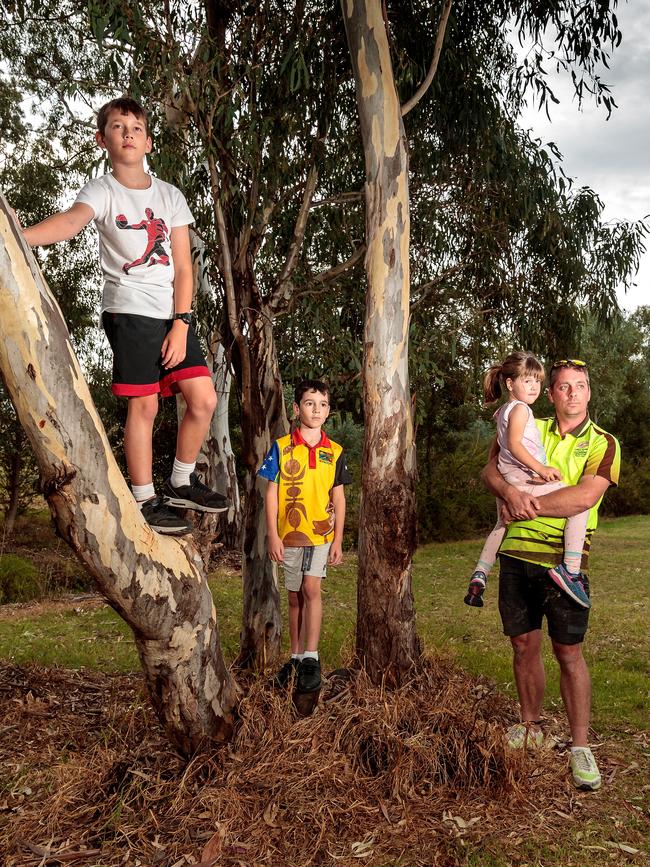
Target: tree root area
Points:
(414, 776)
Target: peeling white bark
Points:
(386, 638)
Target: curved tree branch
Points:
(440, 38)
(291, 261)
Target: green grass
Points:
(617, 647)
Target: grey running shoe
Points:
(164, 520)
(522, 735)
(584, 769)
(286, 673)
(195, 496)
(308, 675)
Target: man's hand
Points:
(335, 556)
(174, 348)
(275, 548)
(519, 506)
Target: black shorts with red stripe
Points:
(136, 342)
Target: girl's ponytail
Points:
(492, 383)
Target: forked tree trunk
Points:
(387, 641)
(152, 581)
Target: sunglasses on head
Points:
(568, 362)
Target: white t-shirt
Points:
(135, 243)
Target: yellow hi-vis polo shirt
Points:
(587, 450)
(305, 476)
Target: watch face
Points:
(184, 317)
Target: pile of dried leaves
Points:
(410, 776)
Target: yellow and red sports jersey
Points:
(306, 476)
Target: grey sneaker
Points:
(195, 496)
(164, 520)
(584, 769)
(522, 735)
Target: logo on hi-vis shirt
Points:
(581, 449)
(325, 457)
(157, 234)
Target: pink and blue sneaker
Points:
(571, 584)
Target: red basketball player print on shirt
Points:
(157, 233)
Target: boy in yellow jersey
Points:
(305, 515)
(589, 459)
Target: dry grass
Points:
(405, 777)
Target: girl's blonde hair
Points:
(516, 364)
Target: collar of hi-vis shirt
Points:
(323, 442)
(576, 431)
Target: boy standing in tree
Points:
(305, 514)
(146, 309)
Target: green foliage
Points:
(19, 580)
(452, 501)
(344, 430)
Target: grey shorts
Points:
(310, 560)
(527, 595)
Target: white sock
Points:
(297, 656)
(572, 561)
(181, 473)
(142, 493)
(310, 654)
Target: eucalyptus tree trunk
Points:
(154, 582)
(387, 642)
(216, 460)
(263, 419)
(216, 464)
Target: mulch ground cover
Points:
(416, 776)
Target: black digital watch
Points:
(184, 317)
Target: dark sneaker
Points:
(476, 589)
(286, 674)
(164, 520)
(195, 496)
(571, 584)
(308, 675)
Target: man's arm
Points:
(59, 227)
(273, 540)
(174, 346)
(338, 501)
(521, 506)
(573, 499)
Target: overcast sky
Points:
(611, 156)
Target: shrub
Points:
(19, 581)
